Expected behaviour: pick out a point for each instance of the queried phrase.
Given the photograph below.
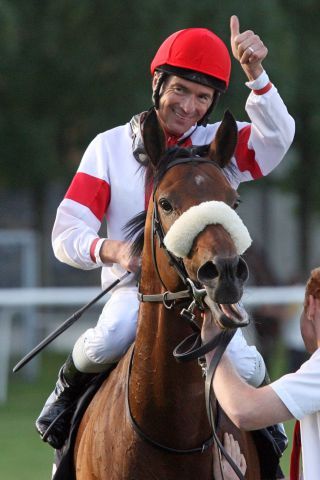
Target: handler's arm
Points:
(249, 408)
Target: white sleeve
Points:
(78, 219)
(246, 360)
(300, 391)
(263, 143)
(272, 128)
(74, 231)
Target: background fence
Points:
(49, 307)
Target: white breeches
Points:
(115, 331)
(107, 342)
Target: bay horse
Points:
(148, 420)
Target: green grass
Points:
(285, 460)
(278, 369)
(23, 456)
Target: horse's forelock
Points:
(193, 154)
(171, 154)
(154, 175)
(134, 228)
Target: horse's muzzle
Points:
(223, 278)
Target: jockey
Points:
(190, 71)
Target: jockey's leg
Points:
(70, 384)
(95, 351)
(115, 331)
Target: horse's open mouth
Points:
(231, 315)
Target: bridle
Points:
(192, 347)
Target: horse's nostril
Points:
(226, 269)
(207, 272)
(242, 270)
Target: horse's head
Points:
(194, 210)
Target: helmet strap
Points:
(156, 92)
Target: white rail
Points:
(18, 298)
(254, 296)
(13, 300)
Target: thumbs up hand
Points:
(248, 48)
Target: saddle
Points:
(270, 444)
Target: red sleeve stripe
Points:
(92, 249)
(92, 192)
(245, 157)
(263, 90)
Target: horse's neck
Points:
(159, 329)
(166, 396)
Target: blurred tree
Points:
(301, 72)
(63, 77)
(71, 68)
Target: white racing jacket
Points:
(110, 182)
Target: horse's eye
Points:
(165, 205)
(236, 204)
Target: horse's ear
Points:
(153, 137)
(224, 144)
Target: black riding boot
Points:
(70, 385)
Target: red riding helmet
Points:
(196, 54)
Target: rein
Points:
(205, 445)
(221, 342)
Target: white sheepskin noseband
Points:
(180, 236)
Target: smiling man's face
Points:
(182, 104)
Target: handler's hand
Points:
(209, 329)
(248, 49)
(233, 449)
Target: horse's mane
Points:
(134, 228)
(134, 232)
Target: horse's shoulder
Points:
(115, 383)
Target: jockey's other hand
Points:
(248, 49)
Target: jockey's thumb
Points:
(234, 27)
